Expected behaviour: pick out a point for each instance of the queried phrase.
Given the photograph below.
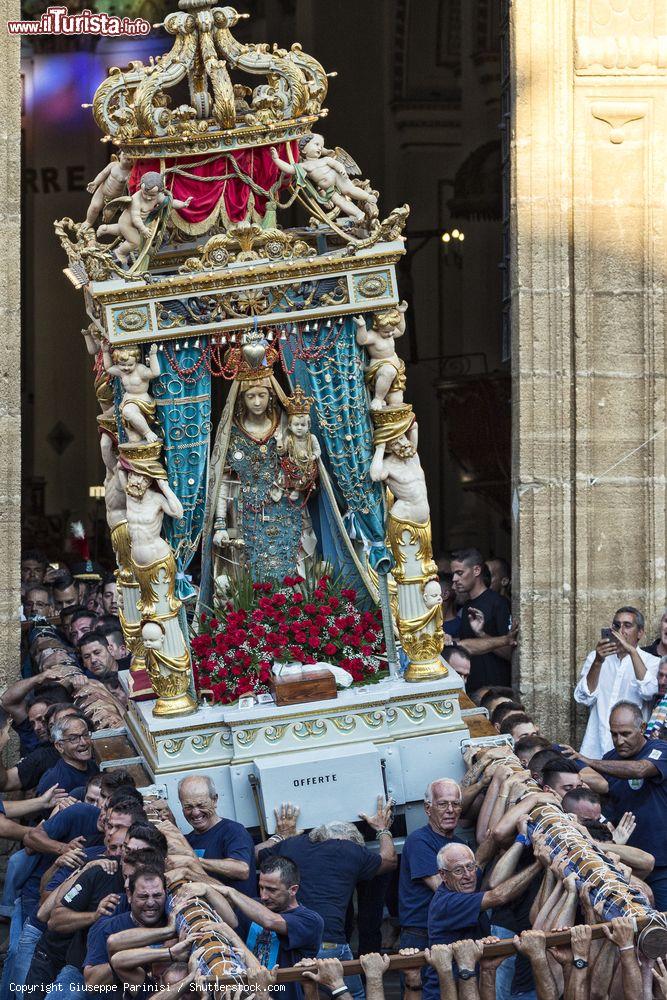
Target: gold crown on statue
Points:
(134, 109)
(299, 402)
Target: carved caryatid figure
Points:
(324, 175)
(138, 408)
(148, 498)
(396, 464)
(385, 375)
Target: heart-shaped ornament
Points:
(254, 354)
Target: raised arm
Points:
(172, 504)
(511, 888)
(364, 337)
(153, 363)
(377, 471)
(374, 967)
(287, 168)
(533, 945)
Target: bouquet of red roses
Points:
(294, 622)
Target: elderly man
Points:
(636, 770)
(458, 907)
(616, 670)
(224, 847)
(71, 738)
(419, 877)
(332, 860)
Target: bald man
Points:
(419, 877)
(458, 908)
(224, 847)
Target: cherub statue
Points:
(325, 174)
(109, 184)
(150, 202)
(137, 407)
(385, 375)
(298, 449)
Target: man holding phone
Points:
(616, 670)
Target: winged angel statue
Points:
(325, 175)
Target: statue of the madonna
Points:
(260, 523)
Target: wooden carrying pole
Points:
(400, 962)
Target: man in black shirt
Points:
(485, 622)
(97, 891)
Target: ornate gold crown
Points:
(299, 402)
(132, 106)
(251, 364)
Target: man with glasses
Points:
(458, 907)
(616, 670)
(419, 877)
(71, 738)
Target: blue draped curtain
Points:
(343, 426)
(184, 412)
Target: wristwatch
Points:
(466, 973)
(580, 963)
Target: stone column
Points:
(10, 346)
(588, 201)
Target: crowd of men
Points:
(95, 892)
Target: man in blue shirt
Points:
(277, 930)
(458, 908)
(636, 770)
(419, 876)
(332, 859)
(71, 738)
(224, 847)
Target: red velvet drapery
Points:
(209, 198)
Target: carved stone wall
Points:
(589, 117)
(10, 345)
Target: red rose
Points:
(366, 650)
(237, 671)
(348, 594)
(297, 597)
(330, 649)
(334, 603)
(294, 612)
(313, 643)
(310, 609)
